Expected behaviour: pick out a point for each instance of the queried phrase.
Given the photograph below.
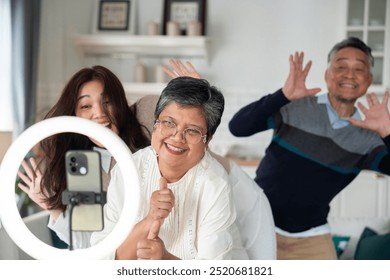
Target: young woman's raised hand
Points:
(32, 182)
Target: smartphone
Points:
(83, 175)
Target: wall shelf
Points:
(134, 91)
(128, 47)
(135, 46)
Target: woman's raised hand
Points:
(180, 70)
(32, 182)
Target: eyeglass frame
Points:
(203, 137)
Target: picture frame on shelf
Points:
(183, 12)
(114, 17)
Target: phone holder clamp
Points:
(76, 198)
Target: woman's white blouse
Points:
(201, 225)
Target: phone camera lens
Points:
(73, 169)
(73, 159)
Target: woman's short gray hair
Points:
(192, 92)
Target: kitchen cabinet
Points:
(368, 196)
(369, 20)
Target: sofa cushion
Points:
(353, 227)
(373, 246)
(340, 243)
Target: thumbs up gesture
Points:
(150, 246)
(161, 202)
(153, 247)
(154, 230)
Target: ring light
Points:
(10, 217)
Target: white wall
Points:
(250, 44)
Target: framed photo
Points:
(184, 11)
(114, 16)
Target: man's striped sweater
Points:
(308, 161)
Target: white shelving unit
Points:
(135, 46)
(138, 46)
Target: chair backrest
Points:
(5, 142)
(254, 216)
(144, 110)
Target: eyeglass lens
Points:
(191, 135)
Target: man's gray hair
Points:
(352, 42)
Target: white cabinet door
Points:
(369, 20)
(366, 197)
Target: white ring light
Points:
(10, 217)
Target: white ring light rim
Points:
(9, 214)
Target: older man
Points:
(320, 144)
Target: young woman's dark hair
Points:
(54, 148)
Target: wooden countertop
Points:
(246, 162)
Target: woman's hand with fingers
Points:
(32, 182)
(161, 202)
(181, 70)
(152, 247)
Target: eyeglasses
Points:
(192, 136)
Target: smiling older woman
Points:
(186, 209)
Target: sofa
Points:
(361, 238)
